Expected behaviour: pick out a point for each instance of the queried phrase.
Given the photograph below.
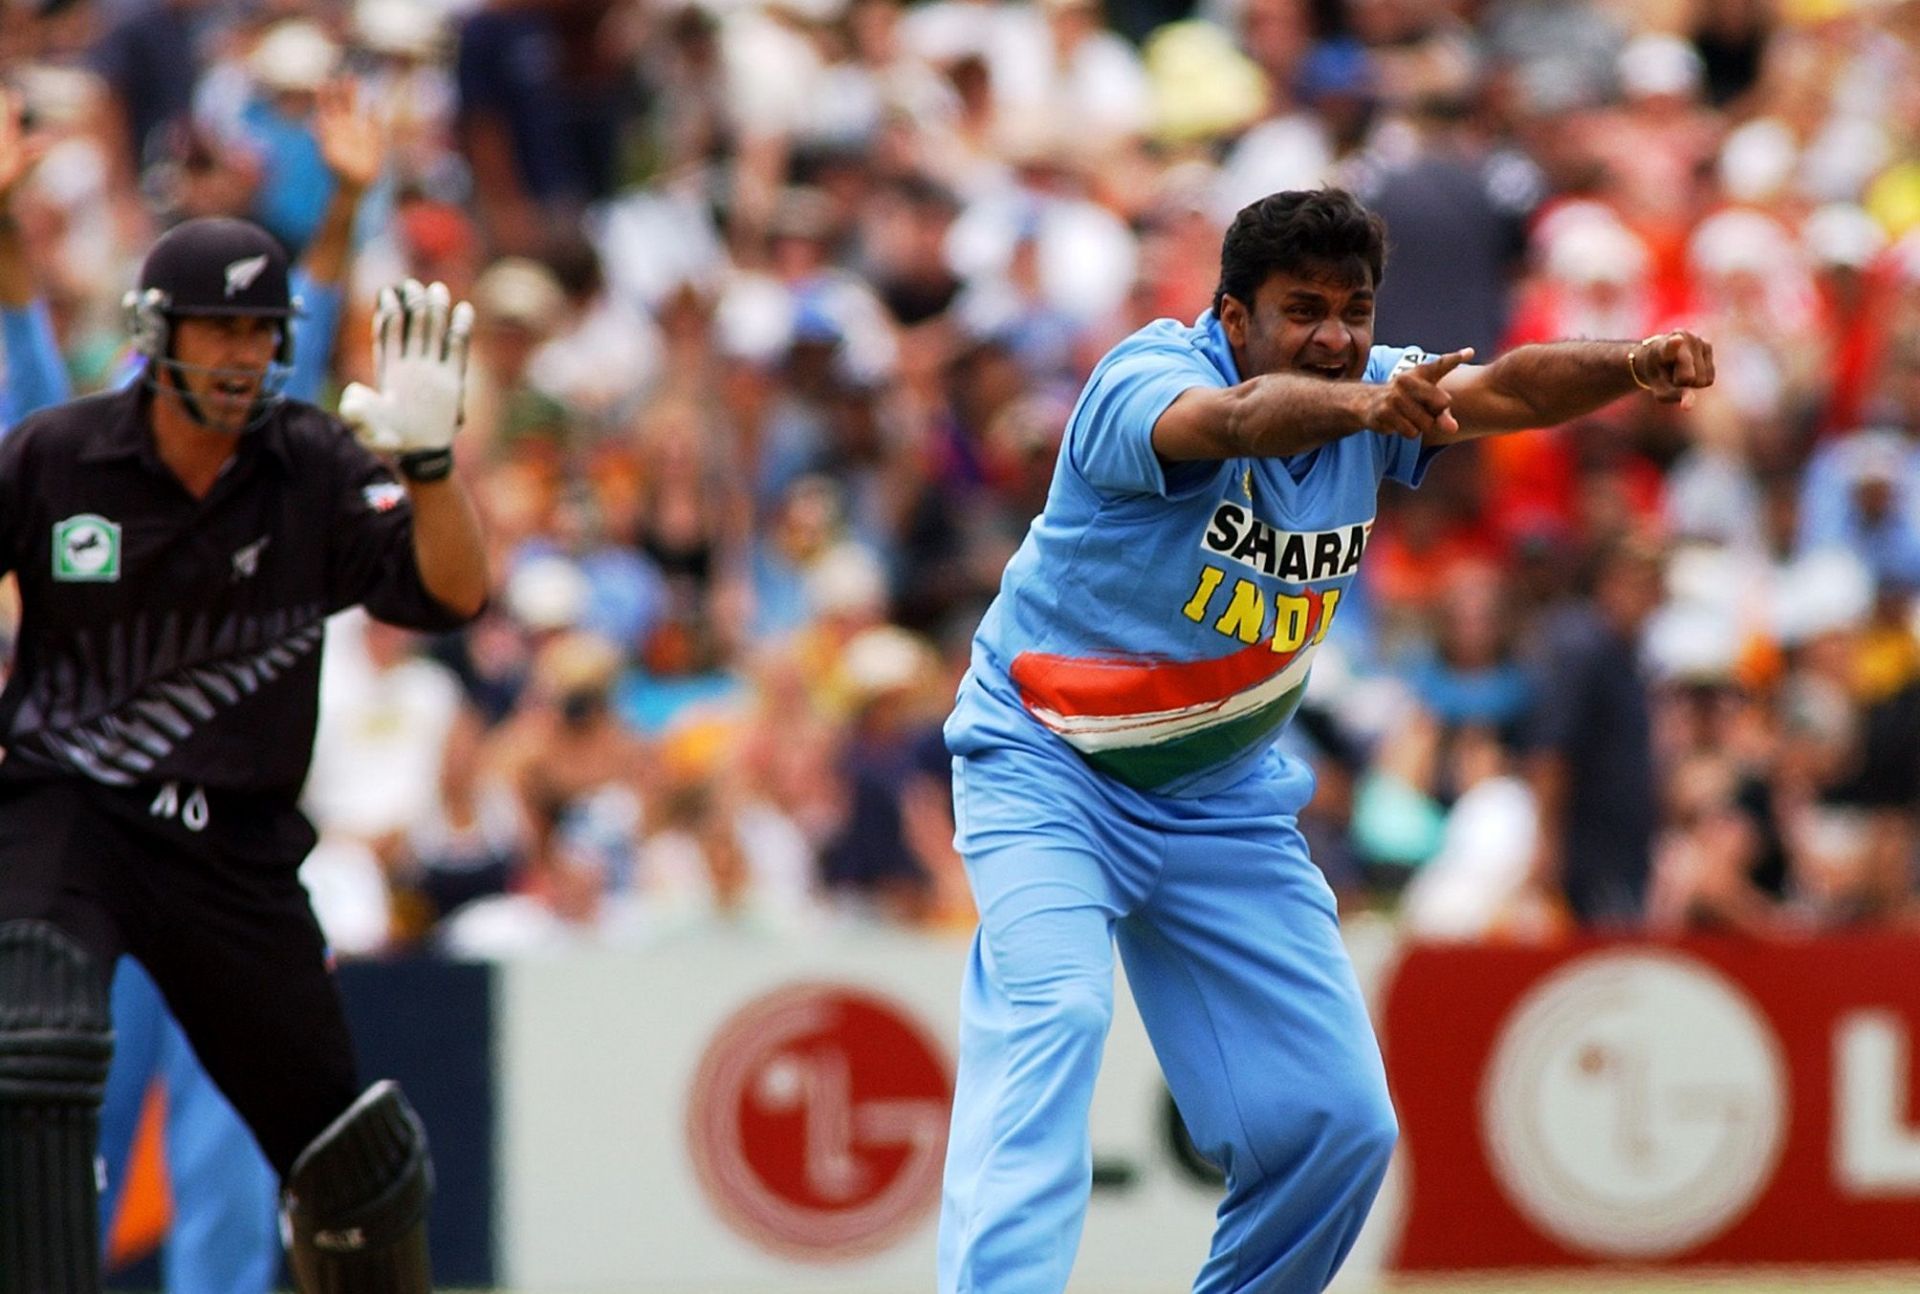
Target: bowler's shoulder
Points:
(1161, 334)
(1165, 342)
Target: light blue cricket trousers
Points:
(1233, 954)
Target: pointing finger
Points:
(1441, 365)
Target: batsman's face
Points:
(223, 363)
(1318, 322)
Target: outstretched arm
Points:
(1547, 384)
(1279, 414)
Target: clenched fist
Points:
(1672, 366)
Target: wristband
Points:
(422, 466)
(1633, 350)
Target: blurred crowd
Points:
(782, 306)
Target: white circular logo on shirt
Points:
(1636, 1104)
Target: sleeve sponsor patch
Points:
(1409, 358)
(384, 496)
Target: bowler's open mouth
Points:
(1333, 371)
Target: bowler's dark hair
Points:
(1293, 231)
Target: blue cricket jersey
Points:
(1161, 619)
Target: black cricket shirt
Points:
(168, 638)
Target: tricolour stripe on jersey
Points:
(1158, 763)
(1150, 721)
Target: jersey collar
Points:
(127, 434)
(1211, 340)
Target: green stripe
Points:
(1148, 766)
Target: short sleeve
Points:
(371, 563)
(1110, 437)
(1396, 457)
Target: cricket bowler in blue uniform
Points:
(1115, 775)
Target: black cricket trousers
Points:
(202, 888)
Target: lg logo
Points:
(818, 1121)
(1636, 1104)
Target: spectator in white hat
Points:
(1752, 289)
(285, 70)
(1592, 278)
(1659, 139)
(408, 44)
(518, 305)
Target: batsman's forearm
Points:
(1557, 381)
(448, 546)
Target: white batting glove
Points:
(420, 341)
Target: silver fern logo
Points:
(241, 274)
(128, 742)
(246, 561)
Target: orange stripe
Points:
(146, 1206)
(1122, 685)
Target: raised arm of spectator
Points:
(354, 151)
(35, 376)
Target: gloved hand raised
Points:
(420, 341)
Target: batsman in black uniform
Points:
(179, 545)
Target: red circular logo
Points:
(818, 1121)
